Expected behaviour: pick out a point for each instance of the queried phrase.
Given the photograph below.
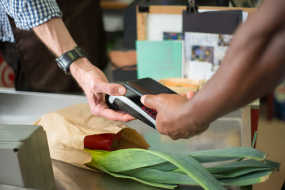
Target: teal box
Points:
(159, 59)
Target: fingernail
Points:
(142, 98)
(121, 90)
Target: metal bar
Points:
(246, 127)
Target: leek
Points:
(167, 170)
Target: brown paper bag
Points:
(67, 128)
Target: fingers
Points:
(111, 114)
(100, 108)
(108, 88)
(149, 101)
(190, 94)
(175, 134)
(116, 116)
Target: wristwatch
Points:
(66, 59)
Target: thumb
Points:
(109, 88)
(149, 101)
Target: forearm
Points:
(253, 66)
(56, 37)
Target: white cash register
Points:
(24, 157)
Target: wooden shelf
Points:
(113, 5)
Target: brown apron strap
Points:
(84, 22)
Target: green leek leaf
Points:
(166, 170)
(94, 164)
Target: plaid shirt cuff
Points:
(36, 12)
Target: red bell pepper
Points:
(106, 142)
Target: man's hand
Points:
(95, 85)
(174, 115)
(56, 37)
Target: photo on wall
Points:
(202, 53)
(173, 36)
(224, 39)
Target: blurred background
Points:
(119, 17)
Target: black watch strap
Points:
(66, 59)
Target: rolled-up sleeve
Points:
(31, 13)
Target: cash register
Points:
(24, 157)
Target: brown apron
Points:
(83, 20)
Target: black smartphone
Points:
(147, 86)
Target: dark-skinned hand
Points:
(174, 115)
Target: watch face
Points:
(61, 65)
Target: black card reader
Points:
(134, 107)
(132, 104)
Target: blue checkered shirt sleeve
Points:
(6, 34)
(31, 13)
